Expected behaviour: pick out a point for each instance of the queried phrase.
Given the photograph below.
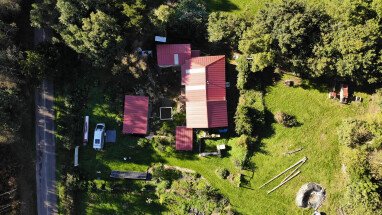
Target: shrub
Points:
(161, 143)
(143, 142)
(354, 132)
(166, 128)
(235, 179)
(242, 69)
(191, 193)
(222, 172)
(250, 112)
(285, 119)
(239, 152)
(160, 172)
(179, 118)
(361, 196)
(243, 120)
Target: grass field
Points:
(235, 5)
(317, 115)
(252, 6)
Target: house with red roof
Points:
(184, 138)
(169, 55)
(205, 86)
(135, 116)
(204, 81)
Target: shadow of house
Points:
(233, 95)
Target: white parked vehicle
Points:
(99, 136)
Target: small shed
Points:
(135, 117)
(184, 138)
(344, 93)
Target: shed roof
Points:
(166, 52)
(204, 78)
(184, 138)
(135, 115)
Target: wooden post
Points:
(298, 162)
(282, 183)
(293, 171)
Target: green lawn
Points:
(236, 6)
(318, 116)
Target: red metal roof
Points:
(135, 115)
(217, 114)
(166, 52)
(184, 138)
(206, 105)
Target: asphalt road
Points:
(45, 150)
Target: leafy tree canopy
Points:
(227, 28)
(98, 38)
(283, 35)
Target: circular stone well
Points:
(310, 195)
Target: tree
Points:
(353, 48)
(242, 69)
(72, 11)
(189, 20)
(43, 14)
(283, 35)
(353, 133)
(226, 28)
(134, 12)
(163, 13)
(98, 38)
(7, 31)
(9, 8)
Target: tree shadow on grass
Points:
(221, 5)
(185, 155)
(267, 129)
(233, 95)
(129, 150)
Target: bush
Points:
(250, 112)
(354, 132)
(361, 196)
(222, 172)
(160, 172)
(235, 179)
(239, 152)
(242, 69)
(285, 119)
(166, 128)
(143, 142)
(161, 143)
